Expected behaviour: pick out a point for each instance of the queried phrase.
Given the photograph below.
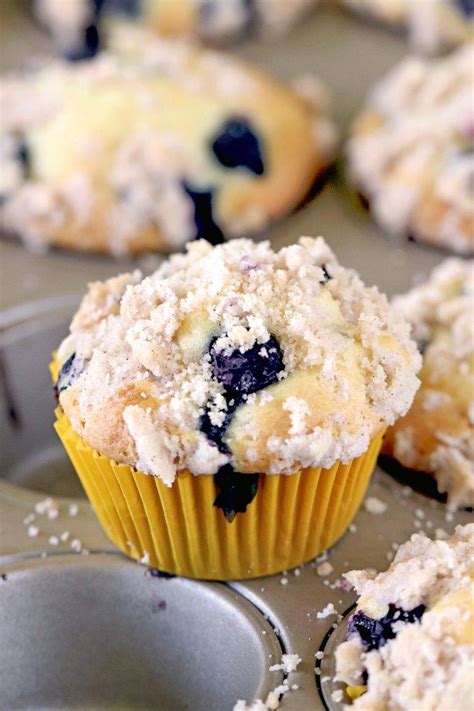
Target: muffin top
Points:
(437, 434)
(412, 636)
(78, 27)
(267, 361)
(430, 25)
(411, 150)
(150, 144)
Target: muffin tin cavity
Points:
(31, 456)
(102, 632)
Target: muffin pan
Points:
(71, 645)
(158, 642)
(82, 626)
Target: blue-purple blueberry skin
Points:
(237, 146)
(376, 633)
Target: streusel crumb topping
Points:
(236, 354)
(437, 435)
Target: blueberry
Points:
(90, 45)
(422, 346)
(70, 370)
(97, 6)
(327, 276)
(215, 433)
(237, 146)
(246, 373)
(23, 155)
(235, 491)
(376, 633)
(241, 374)
(466, 7)
(371, 632)
(206, 228)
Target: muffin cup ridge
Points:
(178, 530)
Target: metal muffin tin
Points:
(83, 627)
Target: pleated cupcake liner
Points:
(178, 529)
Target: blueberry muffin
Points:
(431, 24)
(411, 151)
(250, 377)
(153, 145)
(436, 436)
(78, 26)
(410, 643)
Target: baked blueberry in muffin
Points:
(374, 633)
(237, 146)
(150, 145)
(410, 642)
(70, 370)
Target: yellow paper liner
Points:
(177, 529)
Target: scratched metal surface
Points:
(93, 630)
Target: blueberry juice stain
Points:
(240, 374)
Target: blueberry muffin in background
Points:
(432, 25)
(436, 436)
(152, 145)
(410, 643)
(411, 151)
(253, 389)
(80, 27)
